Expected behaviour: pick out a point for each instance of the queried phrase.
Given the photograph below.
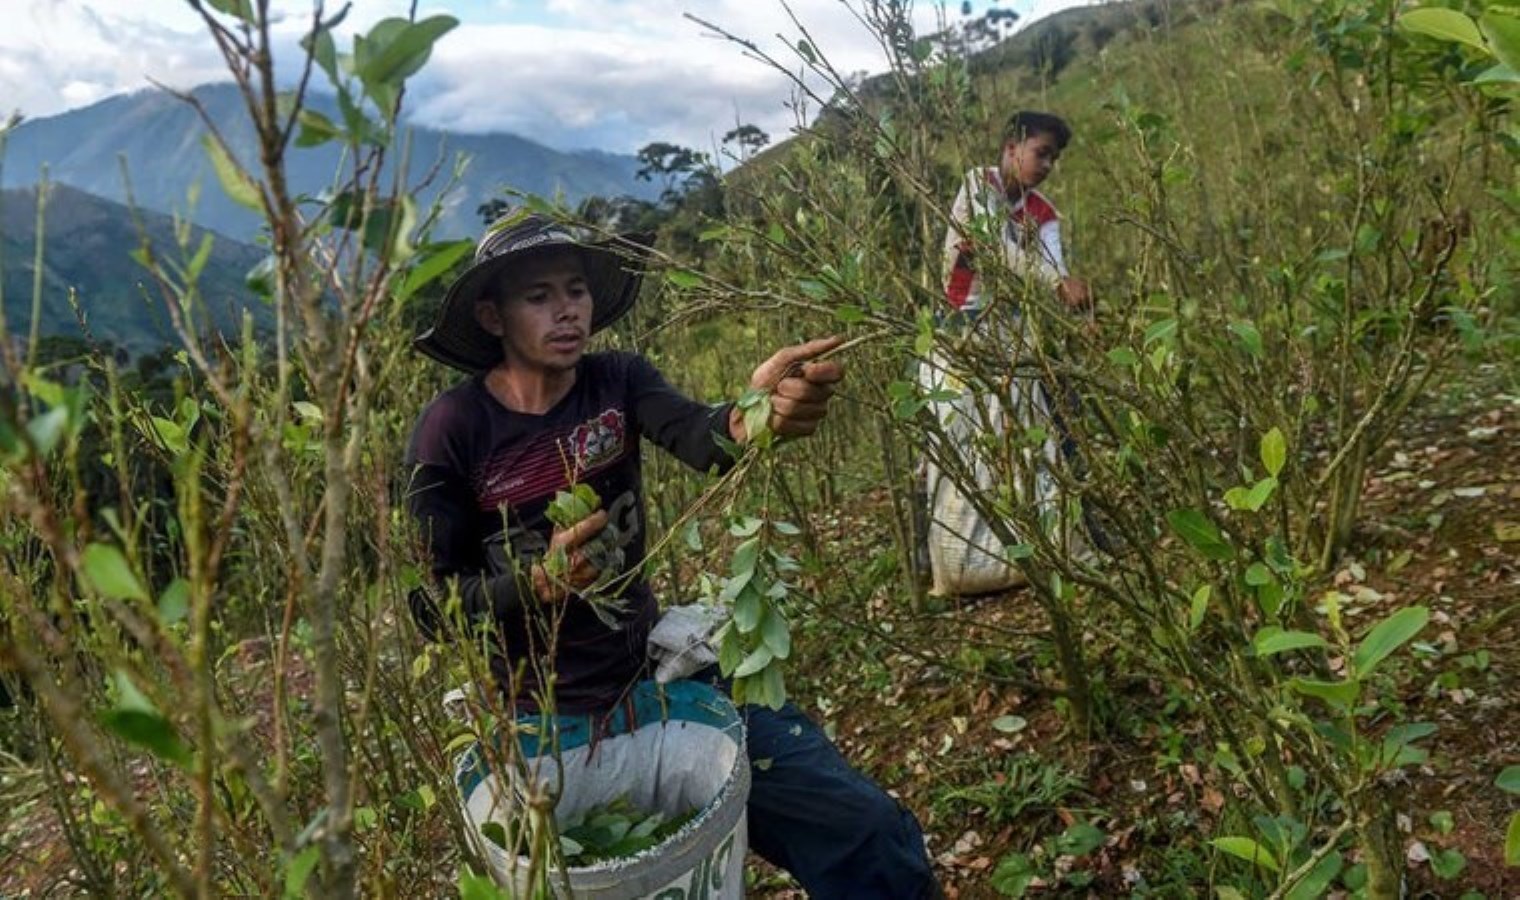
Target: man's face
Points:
(541, 309)
(1028, 162)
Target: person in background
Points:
(1030, 235)
(1000, 218)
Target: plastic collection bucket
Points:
(670, 748)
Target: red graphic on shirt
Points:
(551, 461)
(598, 440)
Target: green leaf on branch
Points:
(437, 261)
(1248, 850)
(1443, 24)
(316, 129)
(1253, 498)
(776, 635)
(683, 279)
(396, 49)
(1397, 748)
(1341, 695)
(241, 10)
(1499, 74)
(1387, 636)
(110, 574)
(48, 429)
(1249, 336)
(1274, 451)
(757, 660)
(1503, 33)
(1271, 640)
(1196, 529)
(174, 602)
(299, 870)
(748, 606)
(1512, 842)
(235, 181)
(757, 419)
(1160, 331)
(1199, 607)
(135, 720)
(1313, 885)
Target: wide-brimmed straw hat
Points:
(613, 267)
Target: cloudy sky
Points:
(606, 74)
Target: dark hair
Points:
(1026, 124)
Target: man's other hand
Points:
(800, 389)
(566, 568)
(1075, 294)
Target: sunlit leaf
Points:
(1444, 24)
(299, 870)
(1503, 33)
(1271, 640)
(316, 129)
(683, 279)
(1274, 451)
(1248, 850)
(234, 180)
(1387, 636)
(398, 53)
(1199, 607)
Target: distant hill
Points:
(160, 138)
(87, 247)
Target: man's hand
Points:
(1075, 294)
(566, 568)
(800, 390)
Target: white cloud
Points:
(610, 74)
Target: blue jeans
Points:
(832, 828)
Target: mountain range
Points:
(156, 138)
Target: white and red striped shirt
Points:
(1028, 226)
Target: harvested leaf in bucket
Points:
(616, 830)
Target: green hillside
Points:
(87, 262)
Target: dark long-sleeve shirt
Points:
(481, 478)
